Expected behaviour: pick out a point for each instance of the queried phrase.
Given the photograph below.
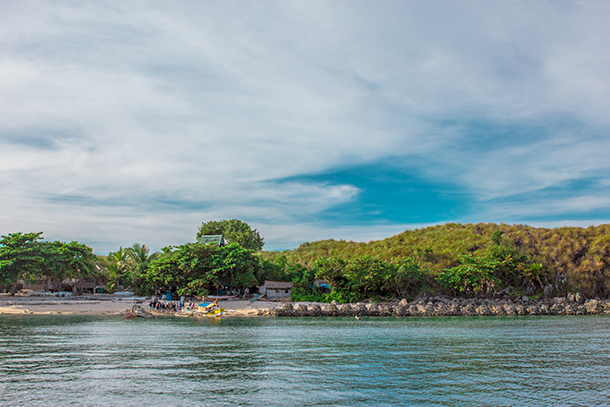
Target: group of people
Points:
(164, 306)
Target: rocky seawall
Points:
(446, 306)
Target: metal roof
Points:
(211, 239)
(277, 284)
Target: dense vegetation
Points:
(235, 231)
(456, 259)
(195, 268)
(26, 256)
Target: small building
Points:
(86, 286)
(218, 240)
(276, 289)
(70, 284)
(43, 284)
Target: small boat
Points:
(216, 314)
(130, 315)
(221, 297)
(257, 297)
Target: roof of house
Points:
(210, 239)
(277, 284)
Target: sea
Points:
(60, 360)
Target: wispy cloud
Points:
(123, 122)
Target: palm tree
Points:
(119, 267)
(140, 257)
(139, 254)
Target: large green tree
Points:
(20, 257)
(196, 268)
(235, 231)
(26, 256)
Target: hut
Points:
(277, 289)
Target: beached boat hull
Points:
(221, 297)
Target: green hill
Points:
(571, 258)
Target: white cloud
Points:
(154, 117)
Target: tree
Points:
(25, 256)
(474, 275)
(140, 257)
(20, 257)
(332, 269)
(195, 268)
(366, 274)
(67, 260)
(235, 231)
(406, 278)
(119, 267)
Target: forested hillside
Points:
(472, 258)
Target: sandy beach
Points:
(108, 305)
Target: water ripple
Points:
(98, 361)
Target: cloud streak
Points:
(129, 121)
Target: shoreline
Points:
(107, 305)
(421, 306)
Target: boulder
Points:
(429, 310)
(497, 309)
(315, 310)
(579, 298)
(286, 311)
(331, 310)
(548, 290)
(557, 309)
(301, 310)
(570, 297)
(441, 309)
(469, 310)
(344, 310)
(593, 307)
(483, 310)
(422, 296)
(374, 309)
(399, 310)
(454, 309)
(416, 309)
(510, 309)
(403, 302)
(386, 310)
(361, 309)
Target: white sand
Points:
(108, 305)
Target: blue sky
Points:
(124, 122)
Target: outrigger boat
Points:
(222, 297)
(210, 309)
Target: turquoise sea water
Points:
(453, 361)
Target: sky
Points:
(125, 122)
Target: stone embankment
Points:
(446, 306)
